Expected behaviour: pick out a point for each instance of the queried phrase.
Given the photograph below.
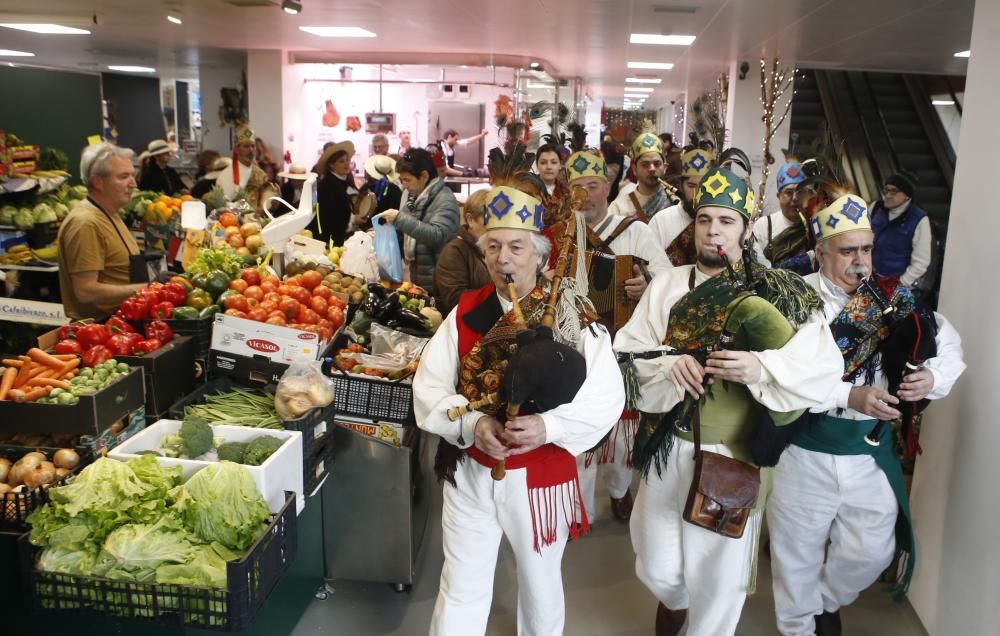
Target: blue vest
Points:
(894, 239)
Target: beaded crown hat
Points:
(846, 214)
(724, 188)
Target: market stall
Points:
(162, 466)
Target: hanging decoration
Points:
(774, 83)
(621, 124)
(708, 114)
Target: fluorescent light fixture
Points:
(963, 53)
(47, 29)
(668, 40)
(638, 89)
(643, 80)
(171, 18)
(291, 7)
(537, 85)
(942, 102)
(10, 53)
(133, 69)
(337, 32)
(662, 66)
(535, 65)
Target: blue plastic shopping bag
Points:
(390, 261)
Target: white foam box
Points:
(280, 472)
(259, 339)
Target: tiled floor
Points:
(603, 596)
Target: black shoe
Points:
(622, 508)
(828, 624)
(669, 622)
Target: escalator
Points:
(872, 125)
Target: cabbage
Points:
(136, 550)
(24, 219)
(221, 503)
(80, 192)
(44, 213)
(7, 213)
(61, 210)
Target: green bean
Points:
(239, 407)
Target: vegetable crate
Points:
(372, 398)
(251, 580)
(200, 330)
(316, 468)
(16, 506)
(169, 373)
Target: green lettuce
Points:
(136, 550)
(221, 503)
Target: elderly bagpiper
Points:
(516, 478)
(839, 510)
(674, 228)
(714, 345)
(244, 173)
(650, 194)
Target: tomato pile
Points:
(300, 302)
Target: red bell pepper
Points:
(134, 339)
(96, 355)
(120, 344)
(151, 296)
(92, 335)
(69, 345)
(162, 311)
(69, 331)
(174, 293)
(118, 325)
(159, 330)
(147, 346)
(136, 308)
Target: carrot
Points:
(72, 374)
(24, 374)
(7, 382)
(64, 356)
(36, 393)
(15, 394)
(40, 370)
(56, 384)
(69, 366)
(11, 362)
(44, 358)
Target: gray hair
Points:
(94, 160)
(540, 243)
(380, 138)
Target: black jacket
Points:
(157, 179)
(336, 204)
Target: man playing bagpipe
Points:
(650, 194)
(623, 257)
(536, 504)
(713, 345)
(839, 510)
(674, 227)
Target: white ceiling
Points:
(581, 38)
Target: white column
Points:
(955, 484)
(746, 130)
(264, 92)
(211, 81)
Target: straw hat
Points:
(157, 147)
(218, 166)
(332, 150)
(296, 171)
(378, 166)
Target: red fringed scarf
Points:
(628, 426)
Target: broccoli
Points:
(232, 451)
(259, 449)
(196, 437)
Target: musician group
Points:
(667, 337)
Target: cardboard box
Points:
(257, 371)
(282, 471)
(92, 415)
(258, 339)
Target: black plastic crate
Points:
(373, 399)
(315, 468)
(16, 506)
(169, 373)
(200, 330)
(250, 579)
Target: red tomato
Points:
(251, 275)
(269, 286)
(293, 281)
(237, 302)
(239, 285)
(318, 305)
(322, 291)
(255, 292)
(276, 320)
(283, 290)
(273, 297)
(276, 312)
(310, 279)
(300, 294)
(289, 307)
(270, 278)
(268, 306)
(325, 333)
(236, 312)
(258, 314)
(335, 315)
(337, 301)
(307, 316)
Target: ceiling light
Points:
(663, 66)
(171, 18)
(963, 53)
(337, 32)
(638, 89)
(669, 40)
(291, 7)
(535, 65)
(643, 80)
(10, 53)
(47, 29)
(537, 85)
(942, 102)
(133, 69)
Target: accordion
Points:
(606, 276)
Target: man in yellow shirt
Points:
(99, 262)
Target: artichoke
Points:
(24, 219)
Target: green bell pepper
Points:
(185, 313)
(199, 299)
(216, 283)
(209, 311)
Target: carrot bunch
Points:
(28, 378)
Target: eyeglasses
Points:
(890, 190)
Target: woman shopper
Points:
(460, 267)
(336, 194)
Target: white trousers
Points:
(616, 472)
(475, 516)
(818, 497)
(683, 565)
